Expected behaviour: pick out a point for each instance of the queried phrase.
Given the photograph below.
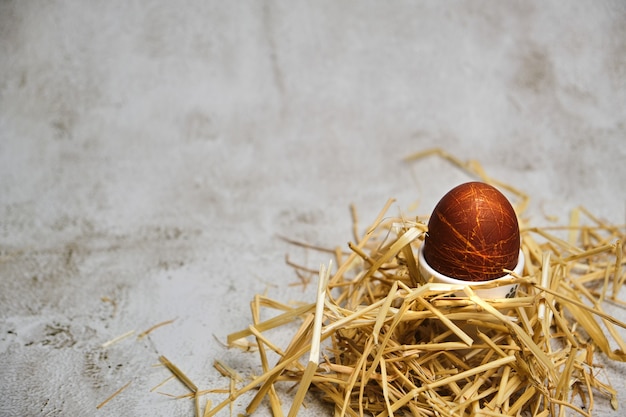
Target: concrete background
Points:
(151, 152)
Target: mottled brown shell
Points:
(473, 234)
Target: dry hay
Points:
(382, 342)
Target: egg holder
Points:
(428, 274)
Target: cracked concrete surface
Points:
(151, 153)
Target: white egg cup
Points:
(501, 291)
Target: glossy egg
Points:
(473, 234)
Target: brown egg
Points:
(473, 234)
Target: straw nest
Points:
(380, 341)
